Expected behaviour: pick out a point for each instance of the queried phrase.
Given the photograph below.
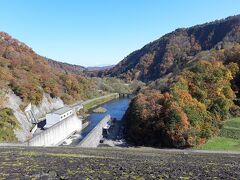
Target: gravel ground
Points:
(115, 163)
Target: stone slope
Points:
(109, 163)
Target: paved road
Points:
(109, 163)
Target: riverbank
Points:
(92, 103)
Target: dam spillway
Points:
(57, 133)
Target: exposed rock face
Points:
(47, 105)
(13, 102)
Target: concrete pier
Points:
(57, 133)
(93, 138)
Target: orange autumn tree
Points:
(30, 75)
(189, 113)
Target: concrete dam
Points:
(57, 133)
(94, 136)
(64, 127)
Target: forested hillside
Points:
(30, 75)
(65, 67)
(196, 85)
(173, 51)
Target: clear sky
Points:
(102, 32)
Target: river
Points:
(115, 108)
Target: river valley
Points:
(115, 108)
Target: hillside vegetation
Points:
(231, 129)
(29, 76)
(173, 51)
(228, 138)
(7, 124)
(66, 67)
(188, 105)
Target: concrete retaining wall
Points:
(57, 133)
(93, 138)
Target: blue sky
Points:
(102, 32)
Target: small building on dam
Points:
(60, 124)
(58, 115)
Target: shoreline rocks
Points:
(100, 110)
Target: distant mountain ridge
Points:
(61, 66)
(175, 49)
(99, 68)
(76, 69)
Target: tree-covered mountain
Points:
(193, 85)
(30, 77)
(66, 67)
(99, 68)
(174, 50)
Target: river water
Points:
(115, 108)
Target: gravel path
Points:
(116, 163)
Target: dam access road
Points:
(116, 163)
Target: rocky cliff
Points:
(14, 102)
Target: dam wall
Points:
(93, 138)
(57, 132)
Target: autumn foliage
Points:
(30, 75)
(193, 85)
(173, 51)
(191, 111)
